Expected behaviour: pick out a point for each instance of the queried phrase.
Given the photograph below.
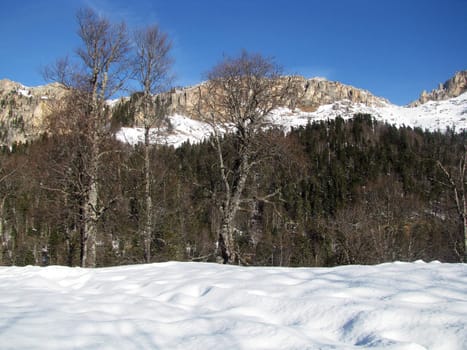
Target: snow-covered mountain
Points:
(432, 115)
(453, 87)
(445, 107)
(24, 109)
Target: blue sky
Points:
(394, 48)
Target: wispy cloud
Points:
(312, 71)
(136, 15)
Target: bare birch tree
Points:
(239, 95)
(152, 66)
(5, 192)
(100, 73)
(457, 182)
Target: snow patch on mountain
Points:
(433, 115)
(24, 92)
(182, 129)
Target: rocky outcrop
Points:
(317, 92)
(453, 87)
(311, 93)
(23, 109)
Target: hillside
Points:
(24, 110)
(348, 192)
(432, 115)
(328, 187)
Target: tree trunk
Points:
(465, 232)
(458, 183)
(224, 243)
(227, 240)
(3, 242)
(90, 230)
(229, 211)
(463, 210)
(91, 215)
(147, 231)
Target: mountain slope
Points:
(433, 115)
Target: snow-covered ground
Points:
(431, 115)
(183, 129)
(410, 306)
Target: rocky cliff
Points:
(312, 93)
(317, 92)
(451, 88)
(23, 110)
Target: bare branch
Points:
(6, 176)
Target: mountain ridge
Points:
(23, 110)
(311, 93)
(452, 87)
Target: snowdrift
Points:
(176, 305)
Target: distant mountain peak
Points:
(453, 87)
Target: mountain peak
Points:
(453, 87)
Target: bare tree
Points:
(5, 192)
(152, 66)
(239, 95)
(457, 181)
(101, 72)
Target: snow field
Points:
(184, 129)
(431, 115)
(176, 305)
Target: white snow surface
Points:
(183, 130)
(176, 305)
(432, 115)
(24, 92)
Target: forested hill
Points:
(332, 192)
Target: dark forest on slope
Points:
(333, 192)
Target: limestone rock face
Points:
(184, 100)
(23, 110)
(318, 92)
(311, 93)
(453, 87)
